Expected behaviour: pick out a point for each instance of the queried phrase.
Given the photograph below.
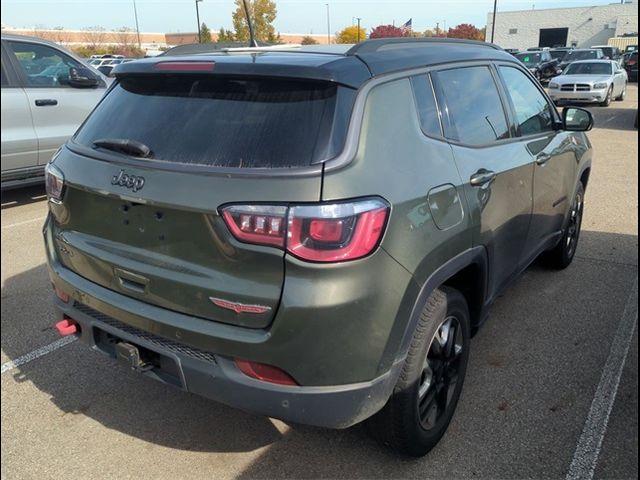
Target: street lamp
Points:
(198, 19)
(135, 13)
(328, 26)
(358, 19)
(493, 22)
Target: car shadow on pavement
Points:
(614, 118)
(81, 382)
(22, 196)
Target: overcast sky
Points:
(294, 16)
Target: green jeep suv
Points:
(312, 234)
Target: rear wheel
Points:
(423, 402)
(562, 255)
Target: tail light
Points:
(265, 373)
(631, 62)
(326, 232)
(54, 182)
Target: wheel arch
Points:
(467, 272)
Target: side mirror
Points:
(577, 119)
(82, 78)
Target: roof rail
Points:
(371, 46)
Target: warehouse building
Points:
(574, 27)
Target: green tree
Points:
(205, 33)
(263, 13)
(308, 40)
(226, 36)
(351, 35)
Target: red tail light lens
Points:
(261, 225)
(319, 233)
(54, 182)
(266, 373)
(631, 63)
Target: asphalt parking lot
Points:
(542, 376)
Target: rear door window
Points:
(225, 121)
(475, 115)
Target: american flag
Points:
(406, 28)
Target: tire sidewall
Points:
(422, 439)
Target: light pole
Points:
(198, 19)
(493, 22)
(358, 18)
(135, 14)
(328, 26)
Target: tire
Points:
(607, 100)
(428, 379)
(561, 256)
(622, 95)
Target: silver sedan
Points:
(589, 81)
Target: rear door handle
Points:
(46, 102)
(543, 158)
(482, 177)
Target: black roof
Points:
(348, 65)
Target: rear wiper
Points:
(124, 145)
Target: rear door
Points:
(552, 151)
(151, 228)
(498, 171)
(19, 141)
(57, 109)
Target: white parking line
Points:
(587, 451)
(38, 353)
(11, 225)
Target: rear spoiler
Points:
(254, 62)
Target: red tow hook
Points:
(67, 327)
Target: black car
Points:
(631, 66)
(559, 52)
(581, 54)
(541, 64)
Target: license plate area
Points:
(135, 357)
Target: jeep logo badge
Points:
(133, 182)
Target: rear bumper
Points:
(313, 349)
(217, 377)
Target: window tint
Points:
(475, 113)
(224, 121)
(426, 104)
(43, 66)
(533, 112)
(589, 69)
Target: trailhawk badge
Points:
(239, 307)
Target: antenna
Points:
(252, 36)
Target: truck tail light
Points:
(324, 232)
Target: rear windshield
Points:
(583, 55)
(225, 122)
(529, 58)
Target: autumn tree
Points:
(388, 31)
(205, 33)
(351, 35)
(59, 35)
(467, 31)
(225, 36)
(308, 40)
(263, 13)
